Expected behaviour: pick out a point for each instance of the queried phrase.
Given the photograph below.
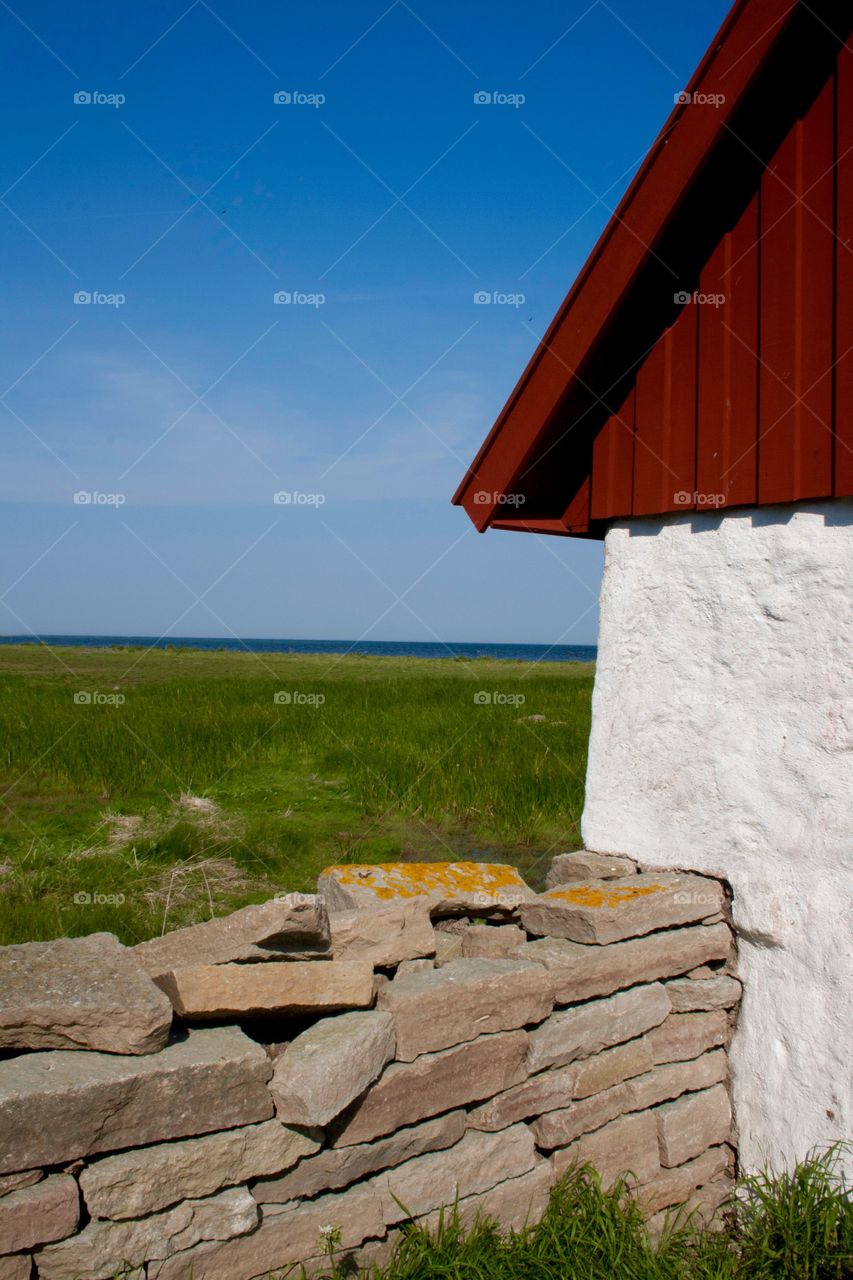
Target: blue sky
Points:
(380, 199)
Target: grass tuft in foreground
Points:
(792, 1226)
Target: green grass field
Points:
(145, 789)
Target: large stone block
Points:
(383, 936)
(626, 1145)
(612, 1066)
(324, 1069)
(478, 1162)
(493, 942)
(48, 1211)
(546, 1091)
(294, 926)
(103, 1250)
(59, 1105)
(673, 1186)
(600, 1024)
(608, 911)
(339, 1166)
(558, 1128)
(667, 1082)
(686, 1035)
(79, 993)
(436, 1082)
(287, 1234)
(582, 864)
(694, 1122)
(449, 888)
(581, 971)
(688, 995)
(143, 1181)
(464, 999)
(234, 990)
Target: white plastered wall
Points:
(722, 741)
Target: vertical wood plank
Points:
(727, 434)
(613, 464)
(797, 263)
(665, 418)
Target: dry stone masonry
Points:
(206, 1105)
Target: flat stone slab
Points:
(546, 1091)
(337, 1167)
(17, 1266)
(294, 926)
(301, 986)
(323, 1070)
(50, 1210)
(287, 1234)
(59, 1105)
(383, 936)
(694, 1122)
(582, 864)
(606, 911)
(493, 942)
(626, 1145)
(449, 887)
(600, 1024)
(685, 1035)
(104, 1250)
(512, 1204)
(136, 1183)
(623, 1062)
(477, 1163)
(466, 998)
(664, 1083)
(411, 1091)
(673, 1186)
(80, 993)
(689, 995)
(558, 1128)
(579, 970)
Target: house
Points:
(691, 404)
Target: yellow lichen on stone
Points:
(413, 879)
(587, 895)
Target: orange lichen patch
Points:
(414, 879)
(587, 895)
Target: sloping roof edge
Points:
(729, 67)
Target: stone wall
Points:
(722, 737)
(207, 1105)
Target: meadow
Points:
(145, 789)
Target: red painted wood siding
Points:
(747, 397)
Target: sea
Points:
(370, 648)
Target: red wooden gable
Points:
(638, 402)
